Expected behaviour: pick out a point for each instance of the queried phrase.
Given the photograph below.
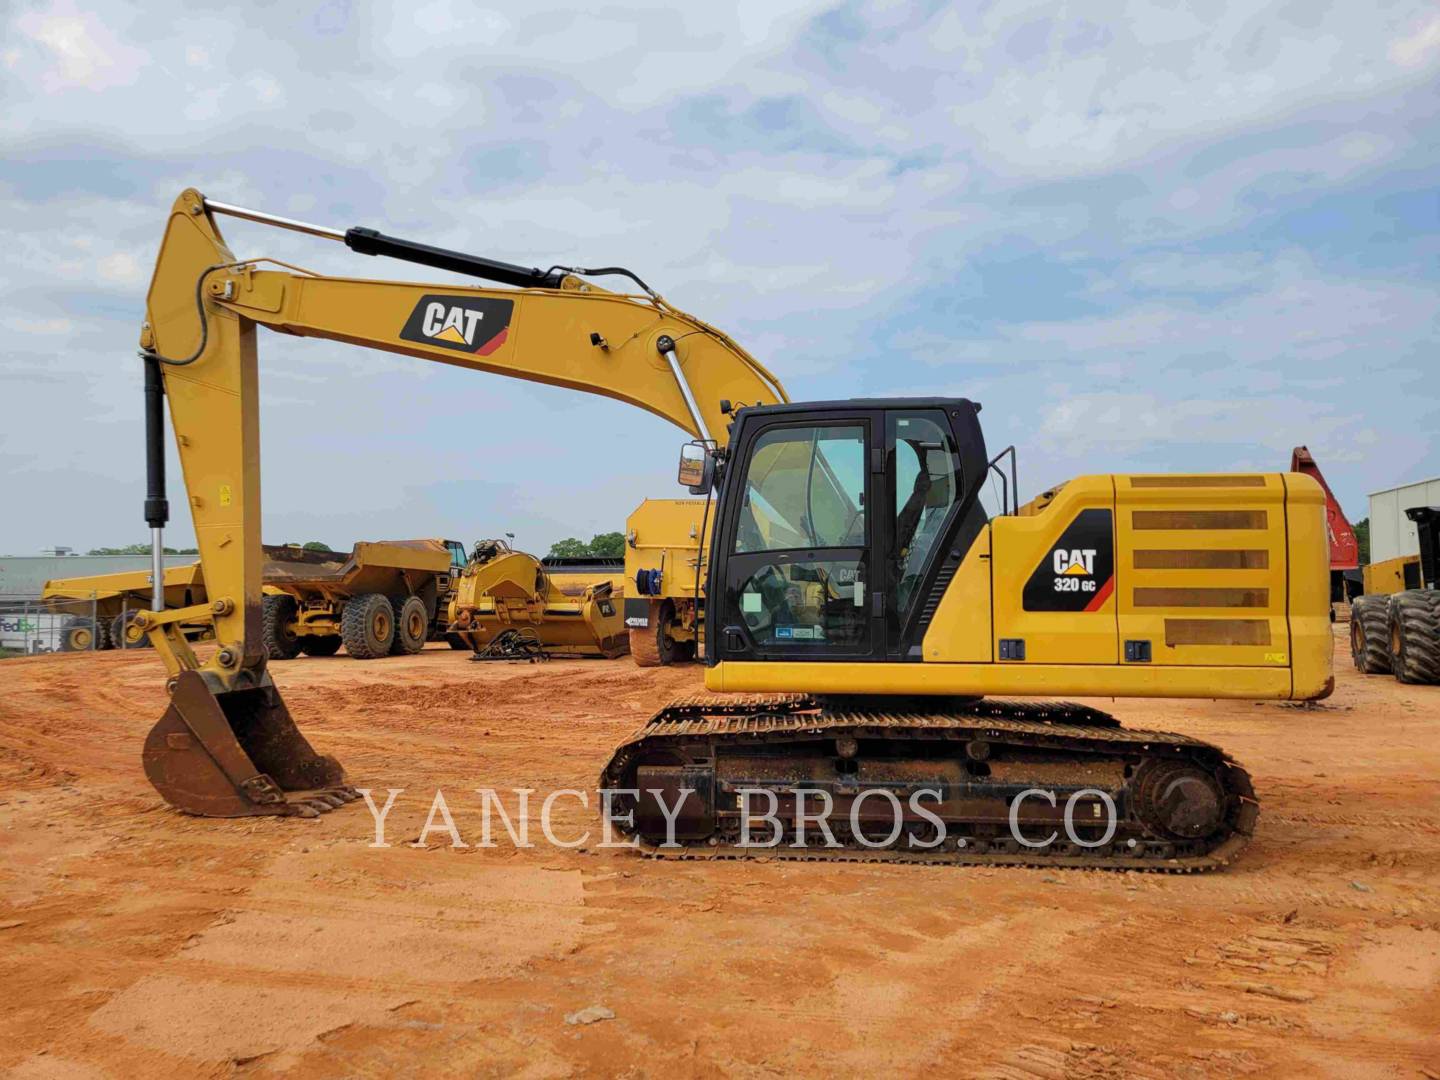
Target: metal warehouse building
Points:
(1392, 534)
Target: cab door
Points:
(800, 577)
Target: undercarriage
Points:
(968, 782)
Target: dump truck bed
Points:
(373, 566)
(370, 567)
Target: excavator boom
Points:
(227, 745)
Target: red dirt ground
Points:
(137, 941)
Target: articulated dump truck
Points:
(382, 598)
(570, 607)
(385, 598)
(115, 599)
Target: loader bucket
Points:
(238, 754)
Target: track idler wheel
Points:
(238, 754)
(1179, 801)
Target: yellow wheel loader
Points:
(862, 606)
(565, 607)
(1395, 625)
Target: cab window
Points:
(927, 474)
(805, 489)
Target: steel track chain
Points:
(1047, 724)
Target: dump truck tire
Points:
(117, 633)
(411, 625)
(1370, 634)
(318, 645)
(368, 626)
(1415, 636)
(653, 646)
(276, 615)
(77, 635)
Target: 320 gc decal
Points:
(1078, 572)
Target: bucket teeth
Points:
(238, 754)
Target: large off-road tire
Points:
(411, 626)
(117, 633)
(78, 634)
(368, 626)
(1370, 634)
(277, 627)
(1415, 636)
(456, 642)
(653, 646)
(320, 645)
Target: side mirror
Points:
(697, 468)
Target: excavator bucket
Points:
(238, 754)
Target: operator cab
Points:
(839, 524)
(458, 556)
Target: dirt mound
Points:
(134, 940)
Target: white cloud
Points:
(81, 50)
(845, 201)
(1418, 48)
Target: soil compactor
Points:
(861, 606)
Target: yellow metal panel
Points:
(1384, 578)
(547, 339)
(214, 409)
(1020, 545)
(664, 534)
(1243, 525)
(1311, 643)
(1021, 680)
(429, 555)
(960, 630)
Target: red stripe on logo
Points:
(494, 343)
(1098, 600)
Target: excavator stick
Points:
(238, 754)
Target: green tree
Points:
(1362, 540)
(316, 545)
(569, 548)
(139, 549)
(609, 545)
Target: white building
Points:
(1392, 534)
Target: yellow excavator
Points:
(861, 603)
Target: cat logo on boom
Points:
(472, 324)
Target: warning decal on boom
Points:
(1078, 571)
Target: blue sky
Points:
(1176, 237)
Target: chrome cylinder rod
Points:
(275, 219)
(157, 570)
(666, 345)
